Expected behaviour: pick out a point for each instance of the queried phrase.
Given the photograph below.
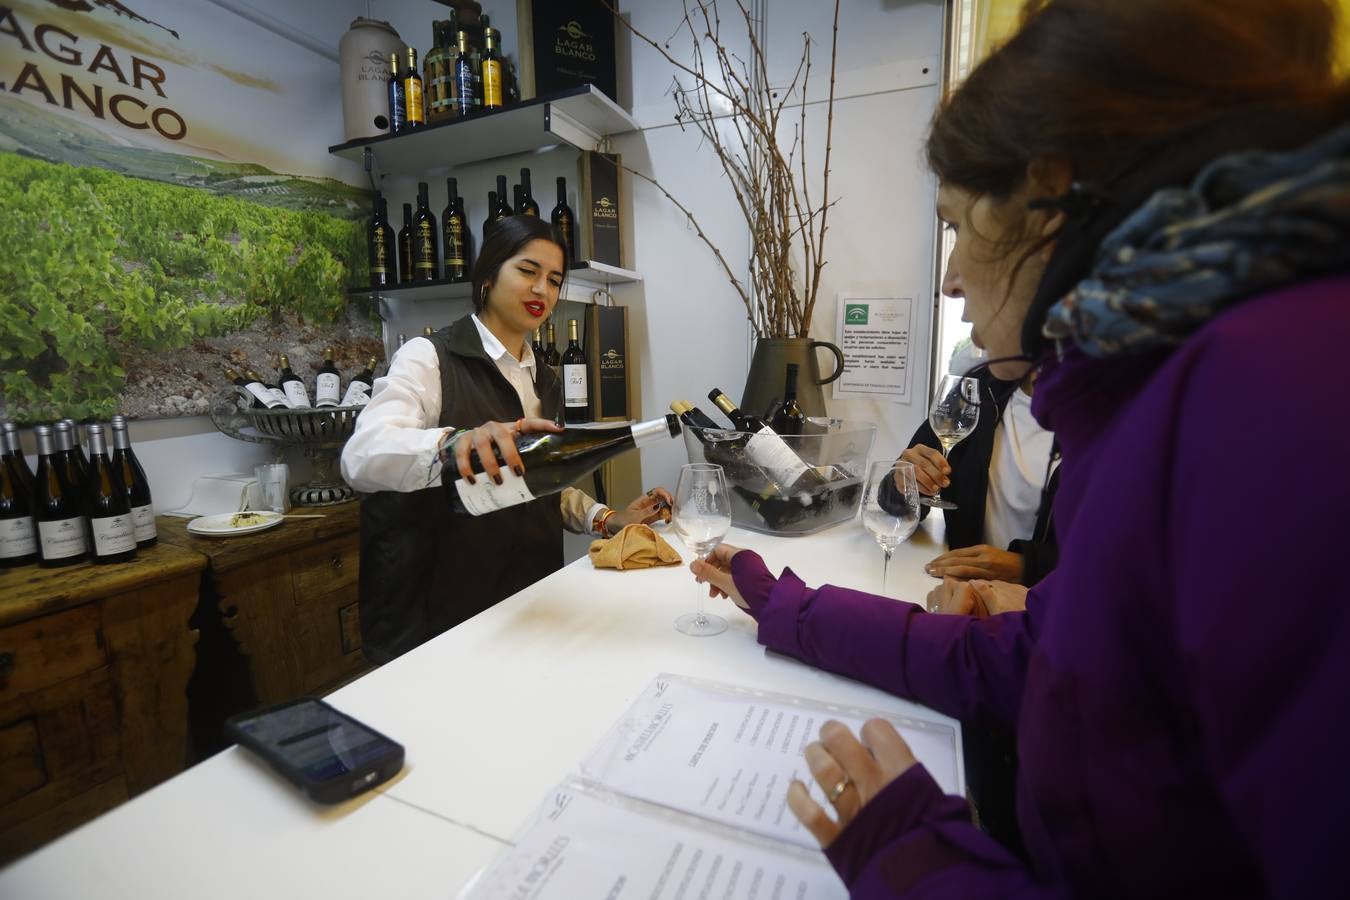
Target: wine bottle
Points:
(464, 99)
(426, 261)
(527, 206)
(552, 462)
(491, 219)
(398, 100)
(503, 208)
(768, 450)
(77, 448)
(537, 347)
(328, 383)
(358, 389)
(12, 449)
(272, 396)
(788, 418)
(402, 339)
(428, 331)
(576, 397)
(515, 197)
(380, 247)
(56, 505)
(552, 358)
(18, 535)
(246, 396)
(454, 234)
(112, 537)
(291, 385)
(76, 465)
(565, 221)
(726, 449)
(405, 267)
(129, 468)
(412, 92)
(491, 69)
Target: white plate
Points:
(219, 526)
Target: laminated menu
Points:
(686, 796)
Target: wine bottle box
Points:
(564, 44)
(601, 223)
(607, 351)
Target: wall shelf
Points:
(583, 280)
(580, 117)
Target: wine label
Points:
(492, 82)
(412, 93)
(772, 453)
(264, 396)
(358, 394)
(296, 395)
(16, 537)
(326, 389)
(114, 534)
(62, 539)
(143, 523)
(278, 398)
(486, 496)
(574, 385)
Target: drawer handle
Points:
(337, 561)
(6, 664)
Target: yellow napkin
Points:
(634, 547)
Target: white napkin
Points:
(215, 494)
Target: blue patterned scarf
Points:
(1249, 222)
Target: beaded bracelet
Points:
(603, 526)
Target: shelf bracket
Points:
(569, 130)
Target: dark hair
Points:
(504, 240)
(1090, 82)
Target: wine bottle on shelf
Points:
(405, 268)
(515, 197)
(56, 505)
(503, 209)
(138, 486)
(112, 537)
(272, 396)
(412, 92)
(381, 247)
(552, 358)
(527, 205)
(491, 71)
(398, 100)
(247, 396)
(12, 449)
(576, 397)
(565, 221)
(77, 467)
(18, 533)
(491, 219)
(769, 451)
(455, 234)
(788, 418)
(553, 460)
(537, 346)
(358, 389)
(464, 99)
(426, 262)
(291, 385)
(328, 383)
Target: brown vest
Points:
(424, 569)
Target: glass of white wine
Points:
(701, 516)
(890, 507)
(954, 414)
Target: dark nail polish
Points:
(497, 479)
(519, 470)
(469, 479)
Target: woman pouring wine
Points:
(473, 386)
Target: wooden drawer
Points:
(329, 639)
(44, 651)
(326, 567)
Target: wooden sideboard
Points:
(94, 665)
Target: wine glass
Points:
(701, 516)
(890, 507)
(954, 414)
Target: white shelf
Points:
(582, 282)
(580, 117)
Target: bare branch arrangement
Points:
(731, 104)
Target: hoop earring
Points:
(482, 296)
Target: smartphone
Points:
(327, 754)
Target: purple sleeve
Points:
(958, 665)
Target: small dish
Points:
(231, 524)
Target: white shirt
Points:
(1017, 473)
(396, 438)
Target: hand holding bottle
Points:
(502, 435)
(646, 509)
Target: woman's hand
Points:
(981, 599)
(716, 571)
(850, 772)
(980, 561)
(931, 469)
(502, 435)
(651, 506)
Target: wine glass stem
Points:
(885, 568)
(946, 450)
(699, 618)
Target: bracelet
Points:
(603, 525)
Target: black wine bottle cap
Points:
(673, 423)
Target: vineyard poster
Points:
(169, 209)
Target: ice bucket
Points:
(805, 484)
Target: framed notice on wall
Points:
(874, 337)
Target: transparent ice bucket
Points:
(770, 492)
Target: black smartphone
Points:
(327, 754)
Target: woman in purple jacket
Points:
(1152, 201)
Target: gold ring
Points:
(839, 788)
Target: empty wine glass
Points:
(701, 516)
(890, 507)
(954, 414)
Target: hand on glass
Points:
(979, 561)
(650, 507)
(863, 767)
(931, 469)
(503, 436)
(716, 571)
(980, 599)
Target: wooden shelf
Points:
(583, 280)
(580, 117)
